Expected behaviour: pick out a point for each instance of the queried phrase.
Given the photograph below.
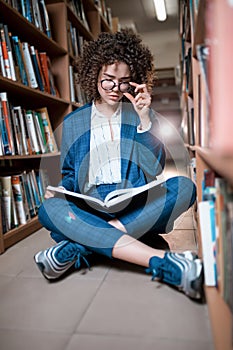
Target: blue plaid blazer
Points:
(142, 154)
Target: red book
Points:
(45, 70)
(6, 118)
(5, 53)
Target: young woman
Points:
(114, 142)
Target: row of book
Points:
(21, 196)
(75, 40)
(78, 9)
(216, 225)
(77, 95)
(105, 11)
(24, 131)
(35, 11)
(20, 61)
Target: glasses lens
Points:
(107, 84)
(124, 87)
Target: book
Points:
(28, 194)
(40, 131)
(7, 120)
(6, 149)
(45, 18)
(18, 198)
(6, 200)
(2, 64)
(36, 68)
(206, 212)
(36, 14)
(19, 59)
(45, 70)
(9, 50)
(5, 52)
(114, 198)
(18, 114)
(32, 132)
(29, 66)
(50, 139)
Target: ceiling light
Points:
(160, 10)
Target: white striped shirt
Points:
(105, 153)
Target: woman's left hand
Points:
(141, 102)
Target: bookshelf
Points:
(205, 28)
(87, 21)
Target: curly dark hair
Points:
(122, 46)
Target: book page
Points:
(119, 195)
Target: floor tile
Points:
(36, 304)
(107, 342)
(32, 340)
(133, 308)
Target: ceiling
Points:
(161, 37)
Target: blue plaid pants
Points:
(150, 213)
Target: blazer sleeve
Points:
(151, 150)
(67, 159)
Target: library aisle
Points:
(113, 306)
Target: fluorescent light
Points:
(160, 10)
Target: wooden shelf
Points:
(13, 236)
(201, 116)
(222, 165)
(220, 318)
(57, 49)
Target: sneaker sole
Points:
(42, 267)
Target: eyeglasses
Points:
(108, 85)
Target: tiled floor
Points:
(113, 306)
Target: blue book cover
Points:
(19, 59)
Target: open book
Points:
(114, 198)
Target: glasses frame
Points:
(114, 85)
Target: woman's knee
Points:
(183, 187)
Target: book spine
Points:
(17, 110)
(39, 132)
(2, 65)
(24, 197)
(208, 239)
(10, 54)
(4, 137)
(29, 66)
(18, 197)
(5, 52)
(28, 11)
(14, 217)
(6, 200)
(72, 92)
(35, 190)
(51, 142)
(36, 68)
(22, 8)
(32, 132)
(30, 198)
(44, 67)
(22, 71)
(6, 117)
(44, 14)
(36, 15)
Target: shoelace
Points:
(75, 253)
(80, 257)
(161, 270)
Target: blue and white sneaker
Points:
(55, 261)
(183, 270)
